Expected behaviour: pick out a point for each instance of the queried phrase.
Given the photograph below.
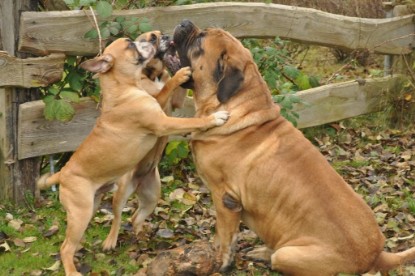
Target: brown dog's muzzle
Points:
(184, 36)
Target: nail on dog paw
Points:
(221, 117)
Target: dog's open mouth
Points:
(171, 59)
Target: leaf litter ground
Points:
(378, 164)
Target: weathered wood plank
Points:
(47, 32)
(339, 101)
(30, 72)
(16, 176)
(324, 104)
(38, 136)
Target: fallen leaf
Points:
(51, 231)
(29, 239)
(165, 233)
(4, 247)
(15, 224)
(19, 242)
(54, 267)
(9, 217)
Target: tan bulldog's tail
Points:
(46, 181)
(388, 261)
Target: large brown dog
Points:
(130, 123)
(262, 170)
(144, 179)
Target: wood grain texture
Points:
(16, 176)
(46, 32)
(334, 102)
(321, 105)
(38, 136)
(30, 72)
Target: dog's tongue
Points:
(171, 60)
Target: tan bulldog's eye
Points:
(131, 44)
(153, 39)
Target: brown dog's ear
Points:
(229, 80)
(99, 64)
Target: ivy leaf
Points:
(115, 28)
(64, 111)
(50, 109)
(91, 34)
(291, 71)
(70, 96)
(314, 81)
(58, 109)
(85, 2)
(53, 90)
(75, 80)
(104, 9)
(120, 19)
(302, 82)
(48, 98)
(69, 2)
(105, 33)
(132, 29)
(145, 26)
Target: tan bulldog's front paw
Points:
(183, 75)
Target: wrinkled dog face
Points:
(217, 59)
(123, 55)
(159, 41)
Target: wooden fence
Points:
(54, 35)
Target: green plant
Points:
(283, 79)
(177, 160)
(76, 82)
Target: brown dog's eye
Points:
(153, 38)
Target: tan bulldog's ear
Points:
(229, 80)
(99, 64)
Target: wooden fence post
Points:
(16, 176)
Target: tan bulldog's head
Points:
(123, 58)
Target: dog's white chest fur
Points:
(159, 83)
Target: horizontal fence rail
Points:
(46, 32)
(30, 72)
(329, 103)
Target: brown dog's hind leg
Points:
(79, 207)
(120, 197)
(262, 254)
(148, 192)
(307, 260)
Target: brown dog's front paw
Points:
(109, 244)
(183, 75)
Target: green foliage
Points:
(177, 161)
(176, 151)
(59, 96)
(117, 27)
(283, 78)
(76, 82)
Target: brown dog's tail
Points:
(47, 180)
(388, 261)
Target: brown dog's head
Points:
(218, 60)
(124, 57)
(165, 54)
